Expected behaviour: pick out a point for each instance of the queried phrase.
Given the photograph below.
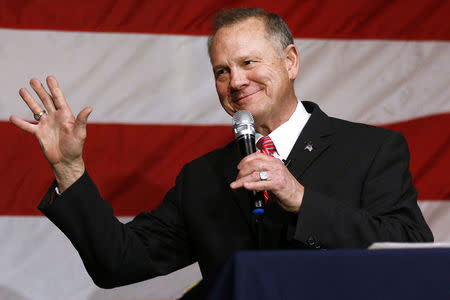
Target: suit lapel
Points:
(312, 142)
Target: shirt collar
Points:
(285, 136)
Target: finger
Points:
(24, 125)
(256, 165)
(29, 100)
(254, 158)
(240, 181)
(58, 97)
(81, 120)
(43, 95)
(257, 185)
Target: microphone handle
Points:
(246, 144)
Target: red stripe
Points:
(128, 163)
(346, 19)
(131, 162)
(429, 143)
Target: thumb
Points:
(81, 120)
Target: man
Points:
(343, 184)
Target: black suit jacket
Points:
(358, 191)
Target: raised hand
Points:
(60, 135)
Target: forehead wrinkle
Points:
(238, 50)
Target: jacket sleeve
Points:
(388, 209)
(114, 253)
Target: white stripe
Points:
(437, 215)
(39, 262)
(167, 79)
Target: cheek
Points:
(265, 75)
(221, 91)
(258, 74)
(275, 79)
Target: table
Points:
(330, 274)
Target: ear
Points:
(292, 61)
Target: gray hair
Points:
(277, 30)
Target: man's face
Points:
(249, 72)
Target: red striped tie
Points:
(267, 147)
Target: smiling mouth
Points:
(239, 99)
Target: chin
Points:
(253, 109)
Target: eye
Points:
(220, 72)
(249, 62)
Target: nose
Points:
(238, 79)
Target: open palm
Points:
(60, 135)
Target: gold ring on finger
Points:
(38, 116)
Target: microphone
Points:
(244, 132)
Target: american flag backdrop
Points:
(143, 67)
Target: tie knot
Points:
(266, 145)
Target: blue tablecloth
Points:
(331, 274)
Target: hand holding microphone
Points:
(282, 186)
(244, 132)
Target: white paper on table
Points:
(392, 245)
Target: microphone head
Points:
(243, 124)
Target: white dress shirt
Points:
(285, 136)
